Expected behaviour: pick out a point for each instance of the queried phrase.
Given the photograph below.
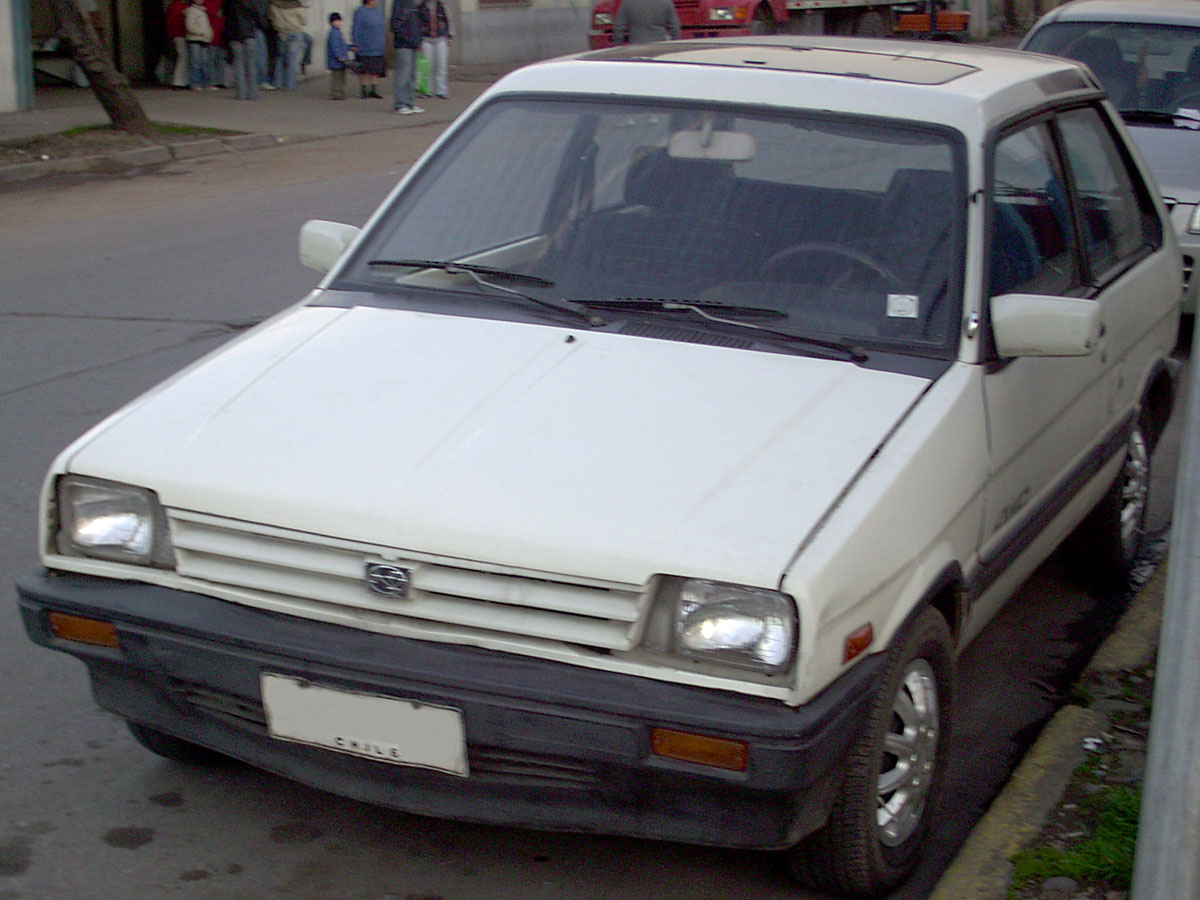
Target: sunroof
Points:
(820, 60)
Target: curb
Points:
(125, 161)
(982, 869)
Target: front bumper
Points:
(551, 746)
(1189, 246)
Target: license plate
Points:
(400, 732)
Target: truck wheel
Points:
(763, 22)
(894, 772)
(872, 24)
(1106, 544)
(175, 749)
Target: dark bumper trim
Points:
(560, 746)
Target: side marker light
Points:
(858, 641)
(721, 753)
(83, 630)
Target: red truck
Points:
(728, 18)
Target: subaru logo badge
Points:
(389, 580)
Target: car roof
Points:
(970, 88)
(1156, 12)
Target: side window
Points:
(1118, 218)
(1033, 244)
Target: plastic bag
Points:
(422, 85)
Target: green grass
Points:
(159, 127)
(1079, 695)
(1106, 857)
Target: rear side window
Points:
(1117, 214)
(1033, 243)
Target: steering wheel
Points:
(777, 267)
(1192, 100)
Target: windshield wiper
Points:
(706, 310)
(664, 304)
(454, 267)
(476, 272)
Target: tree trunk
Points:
(111, 88)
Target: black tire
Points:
(1105, 546)
(840, 23)
(763, 22)
(877, 827)
(872, 23)
(175, 749)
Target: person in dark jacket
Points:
(406, 35)
(245, 20)
(645, 21)
(436, 35)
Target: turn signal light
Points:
(83, 630)
(858, 641)
(720, 753)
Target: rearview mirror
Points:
(1039, 325)
(724, 146)
(323, 243)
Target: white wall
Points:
(482, 35)
(8, 61)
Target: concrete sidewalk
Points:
(276, 117)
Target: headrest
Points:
(657, 179)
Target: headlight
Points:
(1194, 221)
(721, 14)
(118, 522)
(747, 627)
(602, 20)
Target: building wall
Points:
(9, 75)
(494, 33)
(484, 33)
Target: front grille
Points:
(220, 704)
(489, 764)
(274, 567)
(530, 769)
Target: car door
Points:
(1043, 413)
(1070, 217)
(1121, 236)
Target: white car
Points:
(645, 461)
(1146, 53)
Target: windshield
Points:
(849, 229)
(1142, 67)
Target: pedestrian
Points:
(199, 36)
(645, 21)
(337, 54)
(289, 18)
(218, 47)
(367, 35)
(245, 21)
(436, 35)
(177, 34)
(406, 36)
(266, 54)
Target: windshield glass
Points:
(848, 228)
(1142, 67)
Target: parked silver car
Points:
(1146, 53)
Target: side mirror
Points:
(322, 243)
(1038, 325)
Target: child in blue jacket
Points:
(337, 55)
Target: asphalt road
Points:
(109, 286)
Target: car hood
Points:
(1173, 155)
(594, 454)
